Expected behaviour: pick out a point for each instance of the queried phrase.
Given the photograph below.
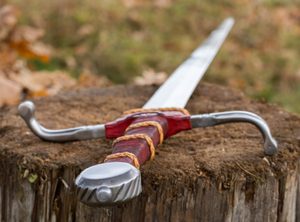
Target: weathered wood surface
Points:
(212, 174)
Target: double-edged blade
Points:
(177, 90)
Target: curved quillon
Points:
(27, 110)
(213, 119)
(108, 183)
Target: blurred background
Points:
(46, 46)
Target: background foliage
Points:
(120, 39)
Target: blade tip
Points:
(230, 20)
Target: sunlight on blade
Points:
(177, 90)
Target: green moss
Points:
(32, 177)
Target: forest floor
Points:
(123, 39)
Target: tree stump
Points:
(208, 174)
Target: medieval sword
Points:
(139, 131)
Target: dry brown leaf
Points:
(81, 50)
(137, 3)
(163, 3)
(25, 41)
(39, 51)
(27, 34)
(237, 83)
(7, 57)
(8, 20)
(87, 79)
(85, 30)
(44, 83)
(10, 92)
(150, 77)
(22, 39)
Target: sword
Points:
(139, 131)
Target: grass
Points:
(261, 56)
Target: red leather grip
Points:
(170, 122)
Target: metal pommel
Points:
(108, 183)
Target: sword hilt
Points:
(133, 148)
(136, 136)
(141, 132)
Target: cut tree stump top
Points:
(222, 154)
(209, 174)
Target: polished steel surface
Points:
(213, 119)
(179, 87)
(26, 111)
(107, 183)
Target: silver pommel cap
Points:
(108, 183)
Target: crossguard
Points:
(27, 110)
(118, 178)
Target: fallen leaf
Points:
(86, 79)
(7, 58)
(150, 77)
(8, 20)
(10, 92)
(44, 83)
(27, 34)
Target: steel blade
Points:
(179, 87)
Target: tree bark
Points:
(211, 174)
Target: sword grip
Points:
(139, 134)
